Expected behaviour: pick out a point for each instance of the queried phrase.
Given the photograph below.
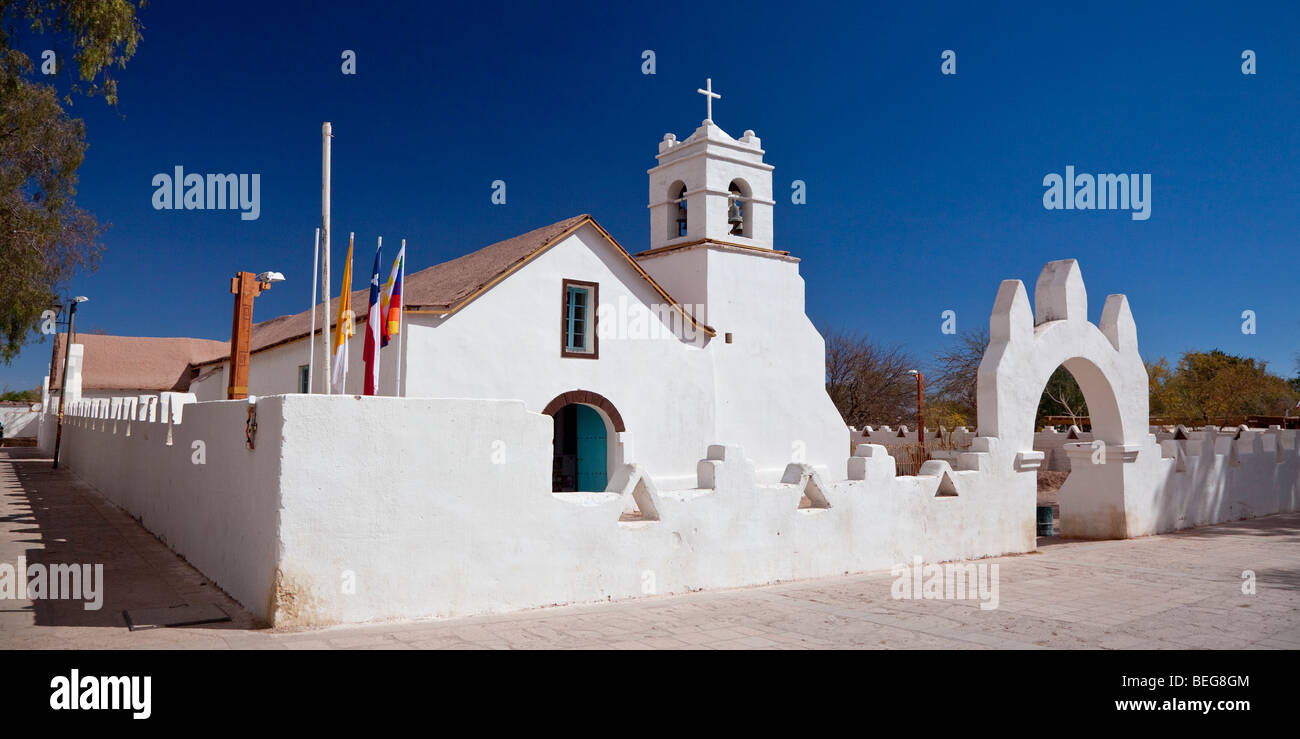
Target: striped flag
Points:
(343, 329)
(373, 321)
(393, 297)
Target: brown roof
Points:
(134, 362)
(446, 287)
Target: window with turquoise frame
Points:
(578, 319)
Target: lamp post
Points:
(920, 407)
(63, 384)
(244, 286)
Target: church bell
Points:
(735, 217)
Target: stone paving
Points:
(1173, 591)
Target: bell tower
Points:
(711, 187)
(712, 250)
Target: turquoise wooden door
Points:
(592, 449)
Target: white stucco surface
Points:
(19, 421)
(223, 516)
(469, 524)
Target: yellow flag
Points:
(343, 329)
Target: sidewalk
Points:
(1173, 591)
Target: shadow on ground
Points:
(50, 517)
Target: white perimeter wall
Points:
(19, 421)
(443, 507)
(222, 516)
(458, 533)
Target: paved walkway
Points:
(1176, 591)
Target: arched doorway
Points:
(581, 450)
(584, 441)
(1077, 446)
(1026, 346)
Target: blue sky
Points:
(924, 191)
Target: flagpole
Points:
(352, 237)
(401, 324)
(327, 132)
(311, 337)
(374, 330)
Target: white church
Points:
(574, 423)
(644, 358)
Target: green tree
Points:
(22, 396)
(1164, 399)
(1216, 387)
(44, 237)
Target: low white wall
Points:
(20, 421)
(433, 524)
(1211, 477)
(1170, 485)
(1052, 443)
(1049, 441)
(222, 515)
(443, 507)
(358, 508)
(888, 436)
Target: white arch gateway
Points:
(1109, 490)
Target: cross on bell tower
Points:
(709, 97)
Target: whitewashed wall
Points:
(1212, 477)
(443, 507)
(1052, 444)
(959, 438)
(1049, 441)
(436, 508)
(222, 516)
(19, 421)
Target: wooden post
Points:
(244, 287)
(63, 384)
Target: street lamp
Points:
(245, 286)
(63, 384)
(920, 407)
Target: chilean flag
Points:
(373, 321)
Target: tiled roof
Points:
(135, 362)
